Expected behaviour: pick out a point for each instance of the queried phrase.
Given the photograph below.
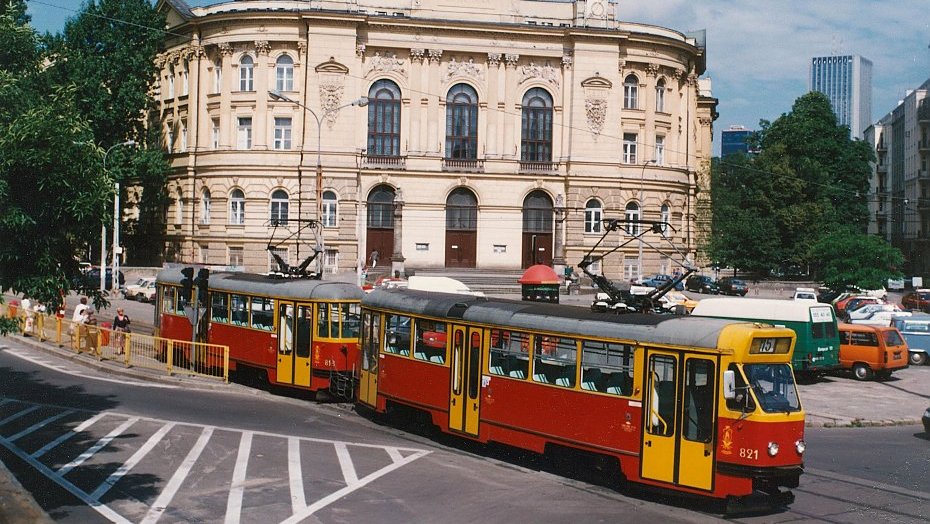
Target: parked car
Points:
(917, 300)
(701, 284)
(131, 290)
(860, 302)
(870, 351)
(732, 286)
(916, 331)
(673, 299)
(875, 314)
(806, 294)
(659, 280)
(841, 304)
(91, 279)
(146, 293)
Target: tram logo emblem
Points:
(727, 441)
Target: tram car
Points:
(702, 406)
(300, 333)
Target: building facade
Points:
(901, 179)
(492, 137)
(847, 82)
(733, 140)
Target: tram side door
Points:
(285, 365)
(368, 373)
(679, 411)
(303, 339)
(465, 383)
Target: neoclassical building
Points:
(494, 136)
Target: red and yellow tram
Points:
(299, 333)
(697, 405)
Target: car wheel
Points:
(918, 359)
(862, 372)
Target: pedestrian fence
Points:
(132, 349)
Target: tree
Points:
(849, 258)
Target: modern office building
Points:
(847, 82)
(900, 207)
(733, 140)
(496, 135)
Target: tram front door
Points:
(294, 338)
(465, 383)
(679, 409)
(368, 374)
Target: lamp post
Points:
(642, 212)
(359, 102)
(103, 230)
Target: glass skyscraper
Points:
(847, 82)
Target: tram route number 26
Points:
(747, 453)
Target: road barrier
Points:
(132, 349)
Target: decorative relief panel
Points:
(463, 68)
(546, 73)
(494, 59)
(332, 85)
(262, 47)
(510, 60)
(418, 54)
(435, 55)
(225, 49)
(596, 93)
(386, 63)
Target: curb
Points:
(832, 421)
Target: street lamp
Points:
(642, 212)
(359, 102)
(114, 284)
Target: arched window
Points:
(660, 96)
(381, 207)
(462, 123)
(665, 215)
(537, 213)
(384, 119)
(205, 206)
(217, 76)
(330, 211)
(237, 207)
(630, 92)
(536, 142)
(246, 74)
(279, 205)
(171, 82)
(632, 218)
(462, 210)
(592, 216)
(284, 73)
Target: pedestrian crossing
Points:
(131, 468)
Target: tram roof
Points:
(263, 285)
(659, 329)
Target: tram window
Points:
(662, 391)
(743, 400)
(219, 308)
(286, 335)
(430, 341)
(239, 304)
(350, 320)
(607, 367)
(262, 313)
(335, 314)
(168, 300)
(397, 334)
(509, 354)
(304, 322)
(322, 327)
(698, 423)
(555, 360)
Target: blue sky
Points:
(758, 53)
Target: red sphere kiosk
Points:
(539, 283)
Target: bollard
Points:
(170, 357)
(126, 345)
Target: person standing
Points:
(77, 317)
(120, 326)
(374, 258)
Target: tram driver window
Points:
(509, 354)
(607, 367)
(431, 341)
(743, 400)
(168, 300)
(555, 360)
(397, 334)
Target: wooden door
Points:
(461, 248)
(382, 241)
(537, 249)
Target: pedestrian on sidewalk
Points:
(120, 326)
(90, 328)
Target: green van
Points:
(818, 346)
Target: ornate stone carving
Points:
(331, 88)
(678, 73)
(386, 63)
(596, 112)
(301, 48)
(435, 55)
(652, 69)
(546, 73)
(510, 60)
(360, 49)
(567, 61)
(469, 69)
(225, 49)
(621, 65)
(706, 121)
(418, 54)
(494, 59)
(262, 47)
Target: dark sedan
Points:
(701, 284)
(732, 286)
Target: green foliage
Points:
(808, 181)
(848, 257)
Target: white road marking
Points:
(868, 483)
(21, 354)
(345, 462)
(40, 425)
(167, 494)
(84, 425)
(131, 463)
(15, 416)
(298, 499)
(236, 490)
(64, 470)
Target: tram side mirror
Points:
(729, 384)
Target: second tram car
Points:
(298, 333)
(698, 405)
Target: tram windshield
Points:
(774, 387)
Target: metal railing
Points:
(131, 349)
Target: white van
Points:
(805, 294)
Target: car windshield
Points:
(773, 385)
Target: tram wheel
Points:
(862, 372)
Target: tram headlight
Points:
(800, 446)
(773, 449)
